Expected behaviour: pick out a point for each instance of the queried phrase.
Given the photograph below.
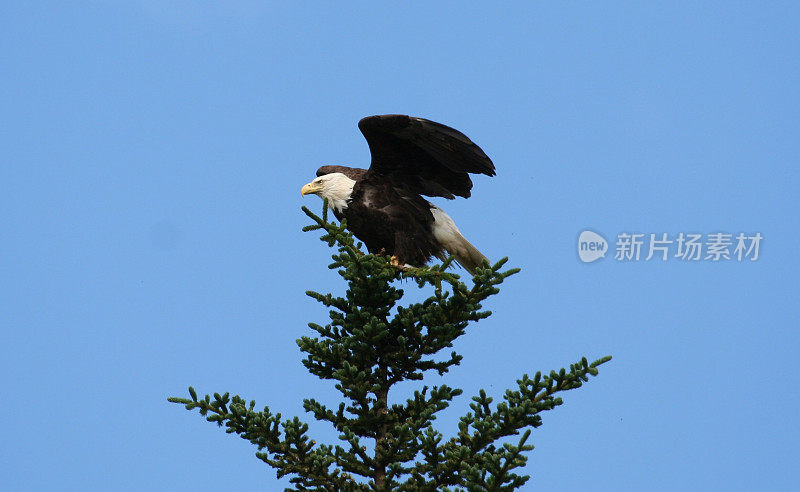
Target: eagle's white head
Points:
(336, 187)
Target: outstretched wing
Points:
(425, 157)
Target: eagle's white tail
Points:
(448, 235)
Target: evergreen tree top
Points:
(369, 345)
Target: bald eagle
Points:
(383, 205)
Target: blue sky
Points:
(152, 156)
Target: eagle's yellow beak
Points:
(309, 188)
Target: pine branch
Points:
(474, 449)
(289, 450)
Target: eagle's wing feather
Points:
(426, 157)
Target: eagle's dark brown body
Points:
(390, 221)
